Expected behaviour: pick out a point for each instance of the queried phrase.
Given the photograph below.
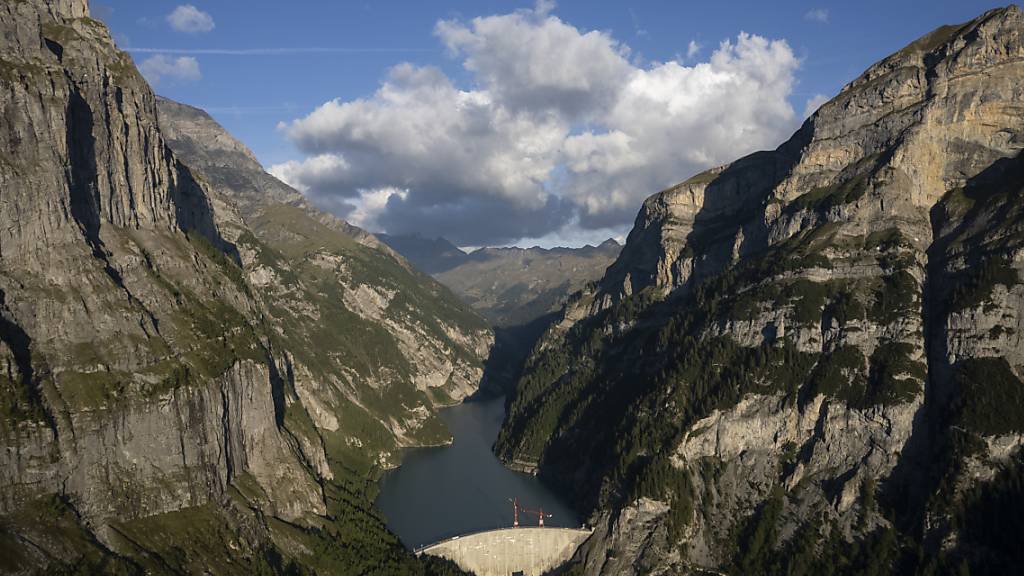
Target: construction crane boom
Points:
(517, 508)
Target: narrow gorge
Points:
(805, 361)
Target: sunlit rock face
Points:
(789, 338)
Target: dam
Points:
(463, 488)
(461, 503)
(530, 551)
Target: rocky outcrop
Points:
(436, 345)
(177, 450)
(110, 274)
(788, 335)
(186, 383)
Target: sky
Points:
(508, 123)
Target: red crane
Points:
(540, 515)
(516, 509)
(515, 512)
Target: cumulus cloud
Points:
(692, 49)
(560, 134)
(373, 203)
(323, 172)
(160, 66)
(819, 15)
(190, 20)
(813, 103)
(673, 120)
(536, 62)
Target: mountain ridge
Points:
(776, 366)
(511, 286)
(188, 385)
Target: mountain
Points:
(508, 286)
(519, 290)
(200, 372)
(514, 286)
(809, 360)
(315, 266)
(429, 255)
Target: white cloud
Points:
(158, 67)
(372, 204)
(813, 103)
(321, 171)
(559, 136)
(534, 61)
(819, 15)
(459, 154)
(191, 20)
(673, 120)
(692, 49)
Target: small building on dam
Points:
(530, 551)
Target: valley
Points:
(442, 492)
(806, 360)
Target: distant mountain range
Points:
(430, 255)
(508, 286)
(518, 290)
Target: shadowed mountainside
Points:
(189, 384)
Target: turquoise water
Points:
(441, 492)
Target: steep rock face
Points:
(788, 334)
(321, 278)
(104, 223)
(162, 411)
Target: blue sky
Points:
(257, 67)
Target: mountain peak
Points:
(768, 316)
(64, 9)
(913, 126)
(992, 32)
(429, 255)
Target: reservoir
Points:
(442, 492)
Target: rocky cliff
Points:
(809, 360)
(519, 290)
(372, 329)
(189, 386)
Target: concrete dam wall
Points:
(529, 551)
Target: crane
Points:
(540, 515)
(516, 509)
(515, 512)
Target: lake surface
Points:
(441, 492)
